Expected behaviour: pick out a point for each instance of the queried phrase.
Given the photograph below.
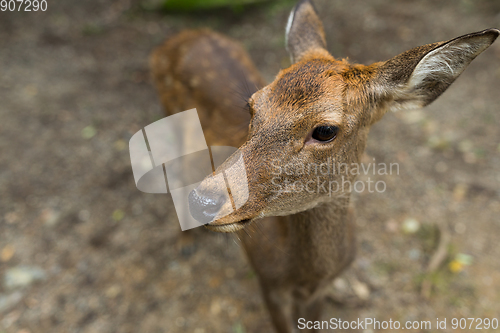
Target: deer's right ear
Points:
(304, 32)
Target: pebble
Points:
(22, 276)
(360, 289)
(411, 226)
(340, 284)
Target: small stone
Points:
(410, 226)
(360, 289)
(22, 276)
(340, 285)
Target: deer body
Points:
(317, 109)
(205, 70)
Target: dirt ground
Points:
(82, 250)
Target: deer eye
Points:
(325, 133)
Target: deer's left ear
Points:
(304, 32)
(417, 77)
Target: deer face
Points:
(309, 126)
(300, 132)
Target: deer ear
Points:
(304, 32)
(417, 77)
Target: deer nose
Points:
(204, 207)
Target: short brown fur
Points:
(298, 243)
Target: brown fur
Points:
(297, 242)
(205, 70)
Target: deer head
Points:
(317, 113)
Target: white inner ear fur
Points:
(444, 63)
(288, 28)
(448, 61)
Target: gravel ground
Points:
(82, 250)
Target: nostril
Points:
(204, 207)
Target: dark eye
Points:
(325, 133)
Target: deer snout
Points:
(205, 207)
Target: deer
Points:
(317, 109)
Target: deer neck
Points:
(321, 239)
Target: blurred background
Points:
(82, 250)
